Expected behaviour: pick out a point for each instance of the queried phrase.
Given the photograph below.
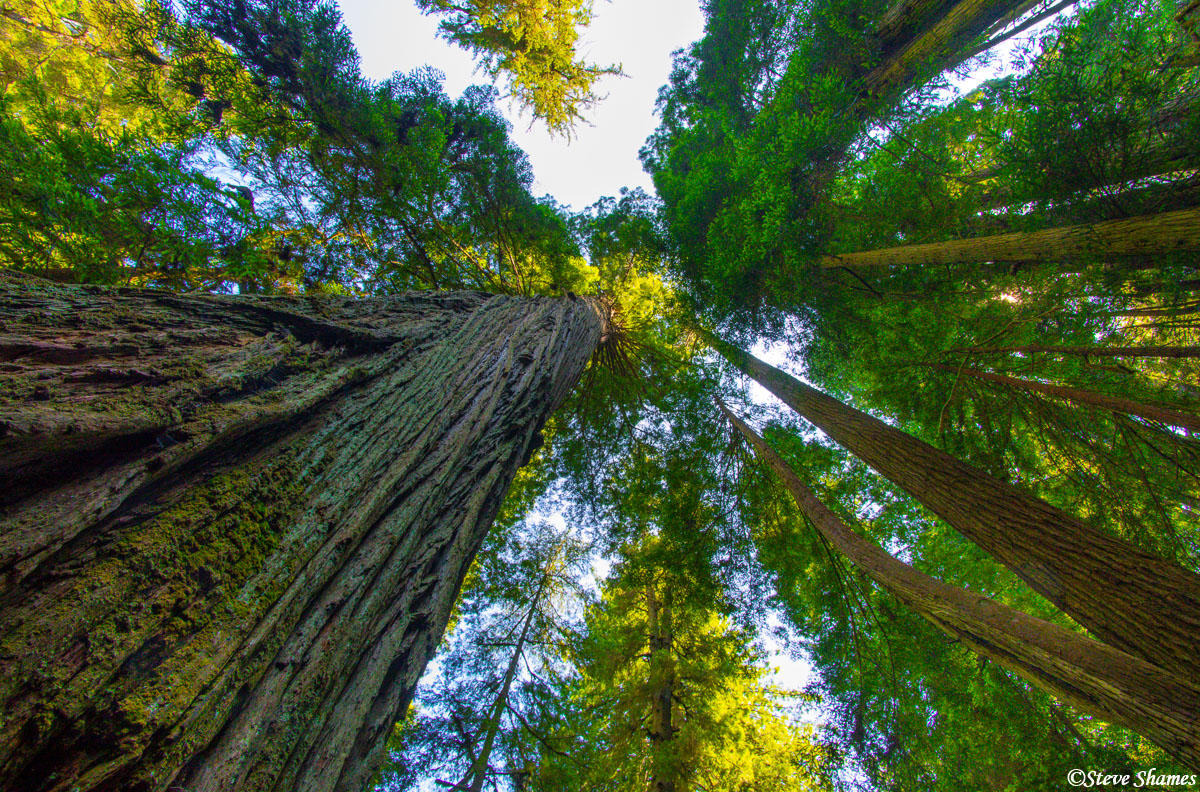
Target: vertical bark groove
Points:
(246, 598)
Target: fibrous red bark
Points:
(233, 528)
(1138, 602)
(1096, 678)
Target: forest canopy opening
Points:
(894, 371)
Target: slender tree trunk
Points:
(1167, 232)
(1189, 19)
(936, 33)
(1089, 351)
(1136, 601)
(662, 688)
(1089, 675)
(996, 35)
(1151, 412)
(479, 768)
(1181, 309)
(233, 528)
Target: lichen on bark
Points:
(236, 526)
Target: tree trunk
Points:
(1151, 412)
(1136, 601)
(1095, 678)
(1189, 18)
(913, 40)
(662, 688)
(937, 33)
(233, 528)
(479, 768)
(999, 32)
(1089, 351)
(1155, 234)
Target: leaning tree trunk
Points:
(935, 35)
(1117, 404)
(1088, 351)
(1189, 19)
(1167, 232)
(1139, 602)
(1091, 676)
(233, 528)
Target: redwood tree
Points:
(234, 527)
(1140, 603)
(1096, 678)
(1158, 234)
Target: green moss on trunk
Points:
(243, 522)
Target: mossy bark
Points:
(233, 528)
(1147, 235)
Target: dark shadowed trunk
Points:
(1189, 18)
(919, 38)
(233, 528)
(1167, 232)
(1097, 679)
(1136, 601)
(662, 688)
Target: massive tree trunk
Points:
(233, 528)
(1151, 412)
(1167, 232)
(1138, 602)
(1095, 678)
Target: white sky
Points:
(601, 158)
(640, 35)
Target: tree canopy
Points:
(984, 278)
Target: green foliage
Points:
(907, 706)
(327, 181)
(85, 56)
(103, 209)
(532, 43)
(653, 635)
(519, 606)
(235, 145)
(766, 163)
